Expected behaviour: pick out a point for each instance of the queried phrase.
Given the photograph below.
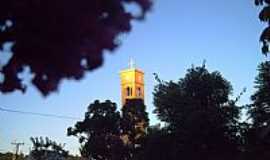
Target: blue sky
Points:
(175, 35)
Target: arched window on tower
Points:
(129, 91)
(138, 92)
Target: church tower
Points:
(132, 83)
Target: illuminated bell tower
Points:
(132, 83)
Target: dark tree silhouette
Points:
(9, 156)
(264, 16)
(258, 143)
(61, 39)
(158, 145)
(134, 123)
(105, 134)
(200, 117)
(99, 132)
(46, 149)
(260, 111)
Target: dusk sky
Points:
(175, 35)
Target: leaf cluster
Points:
(264, 16)
(199, 115)
(106, 134)
(61, 39)
(46, 149)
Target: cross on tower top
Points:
(131, 63)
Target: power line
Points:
(38, 114)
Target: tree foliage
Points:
(106, 134)
(99, 132)
(158, 145)
(134, 123)
(9, 156)
(46, 149)
(199, 115)
(259, 111)
(134, 119)
(264, 16)
(61, 39)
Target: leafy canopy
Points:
(199, 115)
(260, 111)
(61, 39)
(46, 149)
(99, 132)
(264, 16)
(105, 134)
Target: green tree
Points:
(61, 39)
(260, 111)
(46, 149)
(258, 142)
(199, 115)
(99, 132)
(158, 145)
(134, 123)
(9, 156)
(264, 16)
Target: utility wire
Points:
(38, 114)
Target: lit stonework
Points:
(132, 83)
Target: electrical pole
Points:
(17, 148)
